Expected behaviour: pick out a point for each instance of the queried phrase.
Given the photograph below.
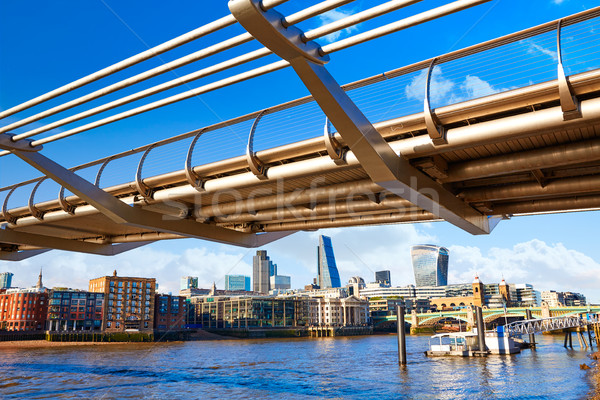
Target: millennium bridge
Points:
(519, 134)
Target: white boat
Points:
(462, 344)
(466, 344)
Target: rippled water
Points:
(353, 368)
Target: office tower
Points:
(281, 282)
(5, 280)
(188, 282)
(261, 271)
(237, 282)
(327, 271)
(383, 277)
(430, 265)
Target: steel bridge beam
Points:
(20, 255)
(122, 213)
(44, 242)
(375, 155)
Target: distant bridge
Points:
(521, 135)
(489, 314)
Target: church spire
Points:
(39, 283)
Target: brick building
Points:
(23, 309)
(128, 302)
(70, 309)
(170, 312)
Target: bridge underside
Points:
(507, 154)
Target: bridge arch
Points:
(436, 318)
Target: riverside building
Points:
(129, 302)
(24, 309)
(74, 310)
(171, 312)
(249, 312)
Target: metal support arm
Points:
(122, 213)
(20, 255)
(377, 158)
(13, 237)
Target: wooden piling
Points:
(570, 339)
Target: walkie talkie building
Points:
(430, 265)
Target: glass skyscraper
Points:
(188, 282)
(327, 272)
(430, 265)
(237, 282)
(5, 280)
(383, 277)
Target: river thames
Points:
(335, 368)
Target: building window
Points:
(120, 284)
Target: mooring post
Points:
(589, 332)
(531, 335)
(570, 339)
(480, 329)
(566, 339)
(581, 339)
(401, 335)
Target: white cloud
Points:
(476, 87)
(332, 16)
(76, 269)
(545, 266)
(445, 91)
(440, 87)
(536, 48)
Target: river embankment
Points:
(595, 376)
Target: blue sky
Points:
(44, 45)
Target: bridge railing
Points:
(510, 62)
(548, 324)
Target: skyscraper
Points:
(383, 277)
(430, 265)
(261, 271)
(188, 282)
(5, 280)
(237, 282)
(327, 272)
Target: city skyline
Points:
(551, 251)
(272, 268)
